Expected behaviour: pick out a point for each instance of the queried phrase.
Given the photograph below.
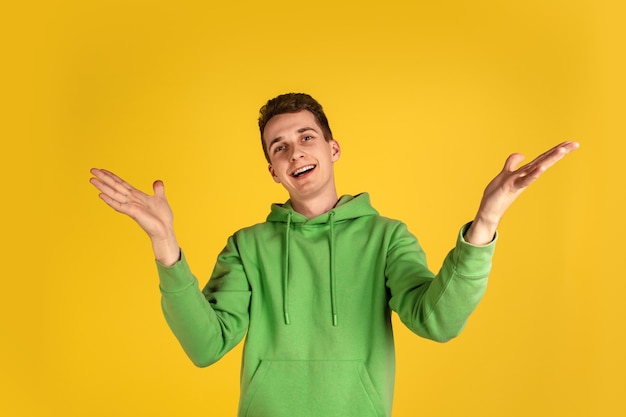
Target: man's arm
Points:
(506, 187)
(436, 306)
(211, 322)
(207, 324)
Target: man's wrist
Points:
(481, 231)
(166, 252)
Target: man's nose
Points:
(297, 153)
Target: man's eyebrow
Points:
(278, 139)
(306, 129)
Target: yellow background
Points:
(427, 100)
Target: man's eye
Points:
(279, 148)
(307, 138)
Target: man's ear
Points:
(335, 150)
(273, 173)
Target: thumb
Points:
(159, 188)
(513, 161)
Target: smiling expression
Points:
(300, 157)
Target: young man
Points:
(314, 286)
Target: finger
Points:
(554, 154)
(118, 180)
(528, 175)
(159, 188)
(102, 174)
(112, 197)
(551, 157)
(112, 180)
(569, 146)
(113, 203)
(117, 189)
(512, 161)
(530, 172)
(102, 187)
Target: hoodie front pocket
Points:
(311, 388)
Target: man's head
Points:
(292, 103)
(298, 145)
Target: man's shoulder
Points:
(384, 220)
(261, 227)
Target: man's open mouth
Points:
(301, 171)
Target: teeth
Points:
(302, 170)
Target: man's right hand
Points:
(151, 212)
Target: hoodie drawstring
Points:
(286, 273)
(333, 281)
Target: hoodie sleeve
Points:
(436, 306)
(211, 322)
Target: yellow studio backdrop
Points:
(427, 100)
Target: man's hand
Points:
(507, 186)
(152, 213)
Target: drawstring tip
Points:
(334, 320)
(287, 321)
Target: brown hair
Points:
(293, 103)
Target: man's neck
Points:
(315, 206)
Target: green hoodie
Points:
(315, 297)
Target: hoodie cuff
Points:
(176, 277)
(470, 259)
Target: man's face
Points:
(300, 158)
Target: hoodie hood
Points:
(347, 208)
